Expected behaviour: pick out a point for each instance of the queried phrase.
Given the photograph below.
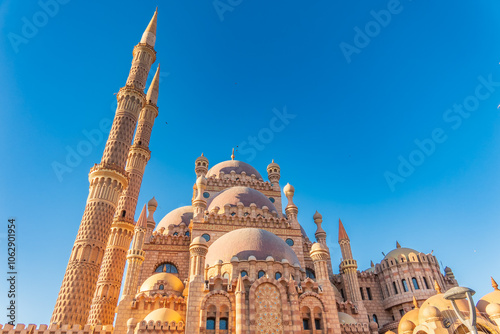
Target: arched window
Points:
(415, 283)
(206, 237)
(375, 319)
(225, 275)
(289, 242)
(244, 273)
(405, 286)
(261, 273)
(161, 287)
(211, 323)
(277, 275)
(223, 323)
(186, 234)
(395, 288)
(310, 273)
(425, 283)
(317, 315)
(166, 268)
(306, 318)
(176, 233)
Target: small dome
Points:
(318, 247)
(395, 253)
(447, 270)
(443, 305)
(184, 214)
(490, 298)
(163, 315)
(237, 166)
(245, 195)
(288, 189)
(202, 157)
(346, 319)
(493, 309)
(373, 326)
(411, 317)
(272, 165)
(153, 202)
(246, 242)
(405, 326)
(317, 215)
(172, 282)
(199, 241)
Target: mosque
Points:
(236, 260)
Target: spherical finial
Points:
(152, 202)
(289, 190)
(317, 216)
(201, 181)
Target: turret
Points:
(200, 203)
(291, 209)
(201, 166)
(198, 252)
(348, 266)
(320, 233)
(273, 174)
(319, 255)
(135, 255)
(152, 205)
(241, 309)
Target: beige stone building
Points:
(235, 259)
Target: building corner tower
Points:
(108, 183)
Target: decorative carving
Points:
(268, 309)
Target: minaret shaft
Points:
(122, 230)
(108, 180)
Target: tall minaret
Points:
(109, 282)
(108, 180)
(348, 266)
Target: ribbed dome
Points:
(395, 253)
(244, 195)
(164, 315)
(184, 214)
(172, 282)
(237, 166)
(245, 242)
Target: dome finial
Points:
(437, 287)
(232, 155)
(415, 303)
(494, 284)
(397, 244)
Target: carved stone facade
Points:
(234, 260)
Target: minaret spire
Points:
(149, 36)
(342, 232)
(152, 96)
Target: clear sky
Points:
(392, 120)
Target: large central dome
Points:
(237, 166)
(245, 242)
(245, 195)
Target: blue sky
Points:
(355, 118)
